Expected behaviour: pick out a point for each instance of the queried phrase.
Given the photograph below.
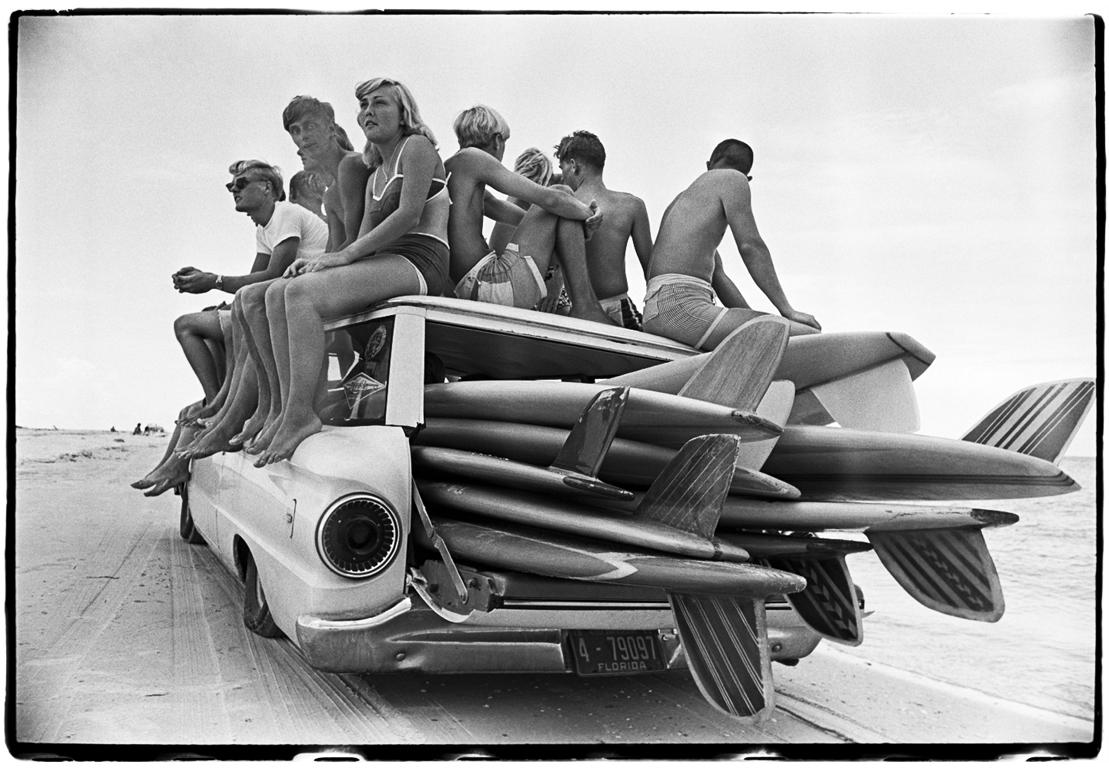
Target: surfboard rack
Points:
(455, 577)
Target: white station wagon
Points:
(338, 554)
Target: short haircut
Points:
(410, 120)
(532, 164)
(258, 170)
(584, 147)
(478, 126)
(304, 106)
(735, 154)
(306, 183)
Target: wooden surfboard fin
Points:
(949, 570)
(740, 369)
(690, 491)
(725, 644)
(586, 446)
(1039, 421)
(828, 603)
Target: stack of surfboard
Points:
(709, 477)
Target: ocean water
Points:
(1042, 651)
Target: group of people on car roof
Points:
(396, 219)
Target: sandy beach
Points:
(126, 635)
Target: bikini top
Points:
(433, 220)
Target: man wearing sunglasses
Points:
(686, 271)
(284, 232)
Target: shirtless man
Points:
(685, 266)
(324, 148)
(581, 158)
(552, 228)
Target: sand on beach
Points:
(125, 634)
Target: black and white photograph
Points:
(531, 384)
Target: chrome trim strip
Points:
(317, 623)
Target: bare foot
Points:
(164, 485)
(215, 440)
(252, 427)
(291, 435)
(263, 439)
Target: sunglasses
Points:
(239, 184)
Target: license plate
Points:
(597, 652)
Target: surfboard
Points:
(737, 373)
(627, 462)
(545, 553)
(833, 361)
(466, 499)
(845, 464)
(653, 417)
(513, 474)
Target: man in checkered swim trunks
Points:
(686, 270)
(554, 227)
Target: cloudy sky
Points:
(928, 174)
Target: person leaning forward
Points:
(686, 269)
(550, 229)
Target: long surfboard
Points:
(650, 416)
(856, 465)
(627, 462)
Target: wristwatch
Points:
(219, 282)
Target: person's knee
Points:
(251, 297)
(186, 325)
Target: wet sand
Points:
(125, 634)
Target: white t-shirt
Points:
(291, 220)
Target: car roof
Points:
(482, 340)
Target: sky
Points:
(930, 174)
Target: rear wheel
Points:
(188, 531)
(256, 613)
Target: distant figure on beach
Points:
(686, 269)
(554, 227)
(581, 159)
(138, 428)
(306, 189)
(535, 166)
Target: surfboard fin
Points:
(690, 491)
(1040, 420)
(828, 603)
(949, 570)
(725, 645)
(742, 366)
(590, 438)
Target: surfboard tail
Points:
(949, 570)
(1040, 420)
(827, 604)
(725, 645)
(690, 491)
(742, 366)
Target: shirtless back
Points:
(468, 171)
(686, 274)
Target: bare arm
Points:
(503, 211)
(193, 280)
(352, 177)
(502, 230)
(641, 236)
(755, 253)
(557, 201)
(725, 289)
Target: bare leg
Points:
(228, 351)
(277, 335)
(217, 437)
(174, 439)
(735, 317)
(192, 330)
(175, 470)
(308, 299)
(543, 236)
(238, 333)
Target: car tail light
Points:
(358, 536)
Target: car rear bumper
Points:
(409, 636)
